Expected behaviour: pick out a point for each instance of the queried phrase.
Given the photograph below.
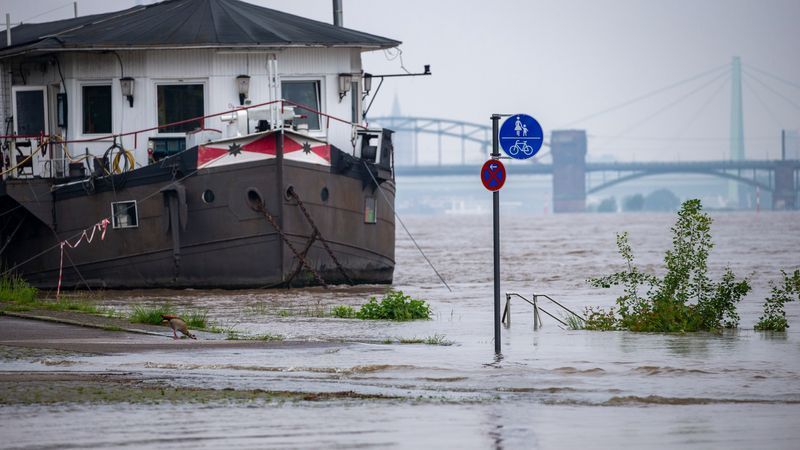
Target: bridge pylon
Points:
(568, 149)
(784, 195)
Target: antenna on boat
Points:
(368, 83)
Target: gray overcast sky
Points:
(564, 60)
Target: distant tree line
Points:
(663, 200)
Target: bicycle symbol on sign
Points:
(520, 146)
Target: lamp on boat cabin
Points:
(243, 85)
(367, 83)
(126, 85)
(344, 84)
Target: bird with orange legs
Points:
(177, 324)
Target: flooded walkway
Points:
(551, 388)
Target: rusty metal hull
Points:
(222, 243)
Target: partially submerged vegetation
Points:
(393, 306)
(17, 295)
(685, 298)
(435, 339)
(774, 316)
(233, 335)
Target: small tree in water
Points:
(685, 299)
(774, 317)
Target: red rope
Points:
(200, 119)
(99, 226)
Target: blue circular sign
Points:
(521, 136)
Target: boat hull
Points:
(188, 238)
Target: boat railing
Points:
(29, 156)
(534, 302)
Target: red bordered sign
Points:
(493, 175)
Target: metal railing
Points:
(537, 320)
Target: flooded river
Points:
(551, 388)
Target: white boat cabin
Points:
(71, 89)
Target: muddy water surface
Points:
(551, 388)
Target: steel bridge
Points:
(464, 132)
(746, 172)
(567, 163)
(564, 156)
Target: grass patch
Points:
(436, 339)
(14, 289)
(573, 322)
(21, 296)
(197, 319)
(150, 314)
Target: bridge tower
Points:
(568, 149)
(784, 196)
(736, 191)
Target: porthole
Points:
(288, 193)
(208, 196)
(254, 200)
(324, 194)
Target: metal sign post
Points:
(496, 233)
(521, 137)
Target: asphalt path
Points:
(27, 333)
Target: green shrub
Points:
(394, 306)
(599, 320)
(774, 316)
(685, 299)
(343, 312)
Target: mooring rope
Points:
(404, 226)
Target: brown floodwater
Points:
(550, 388)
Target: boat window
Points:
(177, 102)
(370, 210)
(96, 109)
(304, 93)
(124, 214)
(29, 106)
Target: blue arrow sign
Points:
(521, 136)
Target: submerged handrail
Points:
(562, 306)
(506, 319)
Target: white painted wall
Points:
(215, 69)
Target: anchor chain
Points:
(260, 207)
(318, 234)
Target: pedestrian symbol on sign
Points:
(521, 136)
